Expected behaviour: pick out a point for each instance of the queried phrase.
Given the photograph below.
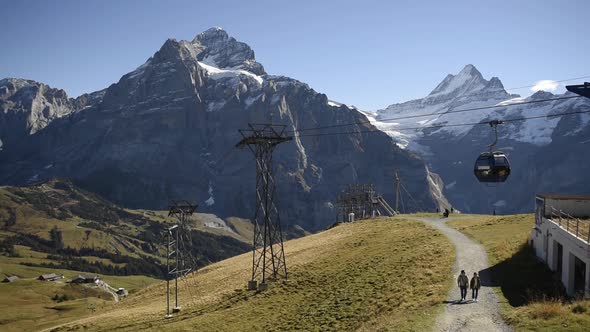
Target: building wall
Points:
(545, 236)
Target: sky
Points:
(364, 53)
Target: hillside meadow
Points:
(385, 274)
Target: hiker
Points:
(462, 282)
(446, 213)
(475, 285)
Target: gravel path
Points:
(468, 316)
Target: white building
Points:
(561, 238)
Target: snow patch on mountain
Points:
(217, 73)
(250, 100)
(215, 105)
(334, 104)
(211, 200)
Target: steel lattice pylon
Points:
(268, 254)
(175, 250)
(362, 201)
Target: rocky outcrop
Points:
(222, 51)
(27, 107)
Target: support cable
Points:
(436, 113)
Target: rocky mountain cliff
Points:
(546, 154)
(27, 107)
(168, 129)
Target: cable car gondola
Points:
(492, 166)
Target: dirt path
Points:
(108, 289)
(468, 316)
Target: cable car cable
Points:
(436, 113)
(443, 125)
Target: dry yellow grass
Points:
(504, 238)
(376, 275)
(27, 305)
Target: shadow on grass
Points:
(458, 302)
(522, 278)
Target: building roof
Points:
(11, 279)
(86, 277)
(565, 196)
(48, 276)
(95, 276)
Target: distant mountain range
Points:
(167, 130)
(546, 154)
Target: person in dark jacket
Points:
(463, 282)
(475, 285)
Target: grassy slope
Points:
(376, 275)
(27, 305)
(525, 283)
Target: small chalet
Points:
(49, 277)
(10, 279)
(85, 279)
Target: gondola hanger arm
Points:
(494, 124)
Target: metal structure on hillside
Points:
(268, 254)
(363, 201)
(397, 190)
(402, 203)
(176, 253)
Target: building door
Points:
(559, 266)
(579, 277)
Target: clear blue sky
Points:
(365, 53)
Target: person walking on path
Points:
(463, 282)
(475, 285)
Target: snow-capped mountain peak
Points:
(214, 33)
(216, 48)
(468, 79)
(539, 95)
(464, 91)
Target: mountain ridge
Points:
(167, 130)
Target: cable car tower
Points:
(268, 254)
(175, 257)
